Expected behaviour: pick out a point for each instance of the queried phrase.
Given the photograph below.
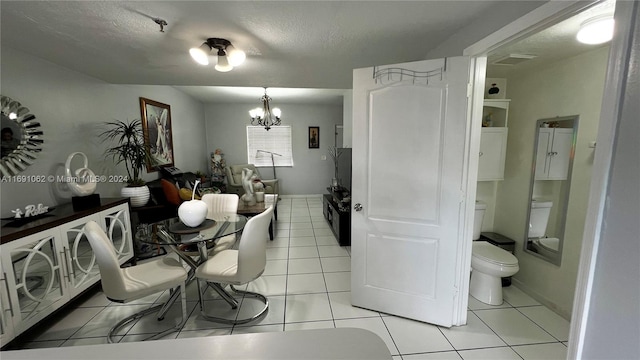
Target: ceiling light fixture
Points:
(265, 116)
(228, 55)
(596, 30)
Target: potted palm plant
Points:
(131, 150)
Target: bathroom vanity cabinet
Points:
(48, 262)
(493, 140)
(553, 154)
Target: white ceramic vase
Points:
(248, 199)
(138, 195)
(193, 212)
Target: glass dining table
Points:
(181, 239)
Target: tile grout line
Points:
(510, 345)
(490, 328)
(540, 326)
(286, 278)
(391, 336)
(333, 318)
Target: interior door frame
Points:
(539, 19)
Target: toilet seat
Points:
(485, 251)
(548, 243)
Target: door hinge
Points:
(469, 89)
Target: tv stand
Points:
(339, 220)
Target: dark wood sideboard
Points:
(339, 219)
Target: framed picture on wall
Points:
(157, 128)
(314, 137)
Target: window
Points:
(276, 140)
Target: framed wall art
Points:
(157, 128)
(314, 137)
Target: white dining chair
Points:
(238, 267)
(126, 284)
(217, 206)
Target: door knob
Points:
(358, 207)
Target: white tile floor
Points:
(307, 280)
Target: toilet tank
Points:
(539, 218)
(477, 219)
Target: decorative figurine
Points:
(247, 185)
(217, 164)
(83, 181)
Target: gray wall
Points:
(71, 108)
(226, 129)
(613, 325)
(347, 115)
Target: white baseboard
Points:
(541, 299)
(301, 196)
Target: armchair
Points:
(234, 180)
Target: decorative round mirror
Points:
(21, 137)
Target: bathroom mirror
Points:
(554, 149)
(21, 137)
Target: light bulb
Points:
(276, 112)
(235, 56)
(597, 30)
(201, 54)
(223, 63)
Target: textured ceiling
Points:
(295, 44)
(550, 45)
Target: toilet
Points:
(538, 220)
(489, 264)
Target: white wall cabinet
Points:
(43, 271)
(493, 152)
(493, 140)
(553, 154)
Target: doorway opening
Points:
(542, 78)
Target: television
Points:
(344, 169)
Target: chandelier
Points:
(228, 55)
(265, 116)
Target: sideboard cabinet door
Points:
(35, 271)
(117, 224)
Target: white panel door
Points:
(409, 128)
